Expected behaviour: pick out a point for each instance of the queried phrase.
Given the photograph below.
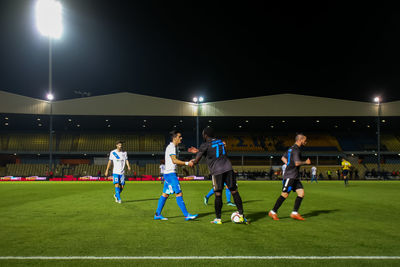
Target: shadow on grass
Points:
(253, 217)
(250, 201)
(139, 200)
(318, 212)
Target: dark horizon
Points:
(220, 51)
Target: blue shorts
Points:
(119, 179)
(171, 184)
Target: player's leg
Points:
(160, 206)
(117, 196)
(300, 195)
(217, 186)
(176, 187)
(167, 190)
(208, 196)
(228, 195)
(121, 183)
(286, 188)
(230, 181)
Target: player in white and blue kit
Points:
(119, 158)
(171, 182)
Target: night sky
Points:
(222, 50)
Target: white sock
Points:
(294, 212)
(273, 212)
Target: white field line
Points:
(200, 258)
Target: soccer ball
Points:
(235, 217)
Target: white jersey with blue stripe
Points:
(170, 167)
(119, 159)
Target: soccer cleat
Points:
(191, 217)
(119, 201)
(216, 221)
(231, 204)
(206, 201)
(160, 217)
(274, 216)
(297, 217)
(242, 219)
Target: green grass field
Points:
(82, 219)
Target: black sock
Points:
(218, 205)
(278, 203)
(120, 189)
(238, 202)
(297, 203)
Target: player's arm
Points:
(200, 153)
(297, 160)
(108, 167)
(180, 162)
(128, 165)
(284, 158)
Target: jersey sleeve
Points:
(111, 157)
(171, 151)
(296, 155)
(202, 150)
(126, 155)
(285, 155)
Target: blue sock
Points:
(117, 193)
(161, 203)
(182, 205)
(210, 193)
(228, 195)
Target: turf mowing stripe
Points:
(200, 258)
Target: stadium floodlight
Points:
(50, 96)
(49, 18)
(195, 99)
(201, 99)
(377, 99)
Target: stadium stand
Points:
(391, 142)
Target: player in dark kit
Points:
(220, 168)
(291, 178)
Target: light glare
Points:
(201, 99)
(50, 96)
(195, 99)
(377, 99)
(49, 18)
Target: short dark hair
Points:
(209, 131)
(173, 134)
(298, 136)
(119, 142)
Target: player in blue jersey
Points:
(171, 182)
(119, 158)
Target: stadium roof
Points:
(129, 104)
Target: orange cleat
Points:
(297, 217)
(274, 216)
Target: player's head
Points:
(208, 132)
(300, 139)
(176, 137)
(118, 144)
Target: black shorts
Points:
(345, 172)
(291, 184)
(227, 178)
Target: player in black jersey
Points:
(220, 167)
(291, 178)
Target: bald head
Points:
(299, 136)
(300, 139)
